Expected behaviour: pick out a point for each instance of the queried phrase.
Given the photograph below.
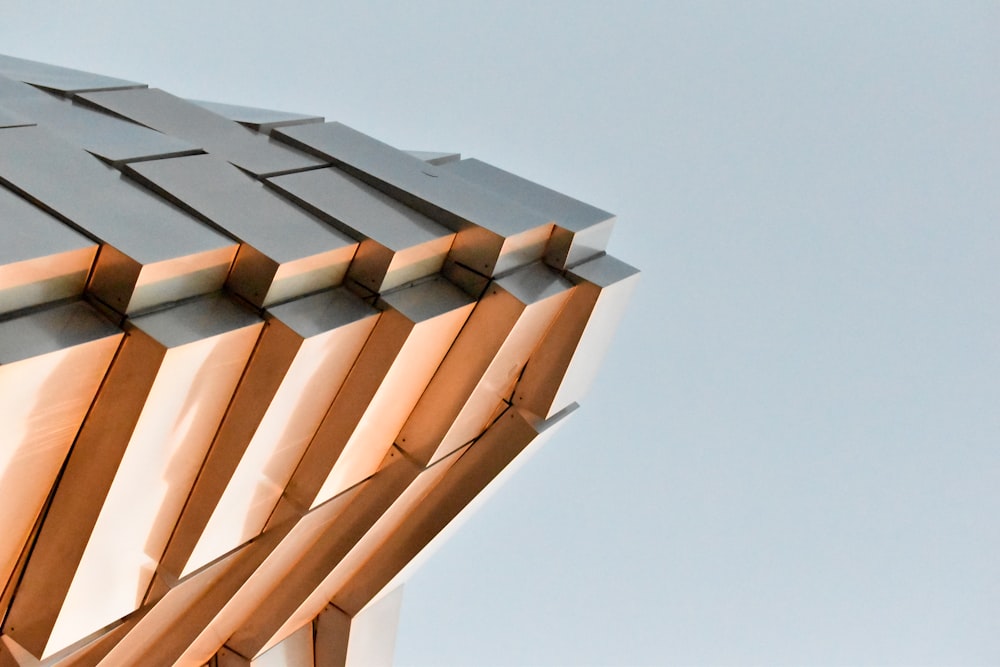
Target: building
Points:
(254, 364)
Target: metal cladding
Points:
(255, 366)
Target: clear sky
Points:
(791, 456)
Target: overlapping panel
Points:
(52, 362)
(581, 232)
(265, 622)
(213, 488)
(188, 625)
(363, 542)
(494, 234)
(133, 464)
(41, 259)
(475, 475)
(259, 120)
(565, 364)
(398, 245)
(407, 524)
(399, 359)
(485, 362)
(192, 621)
(305, 352)
(63, 79)
(106, 136)
(273, 622)
(285, 251)
(151, 251)
(81, 493)
(160, 632)
(217, 135)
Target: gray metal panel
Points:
(410, 245)
(533, 283)
(433, 157)
(8, 119)
(195, 320)
(509, 234)
(261, 120)
(246, 210)
(467, 203)
(292, 241)
(320, 313)
(174, 116)
(359, 209)
(571, 213)
(93, 196)
(427, 300)
(51, 330)
(63, 79)
(586, 228)
(27, 232)
(603, 271)
(155, 247)
(104, 135)
(41, 259)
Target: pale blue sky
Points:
(791, 456)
